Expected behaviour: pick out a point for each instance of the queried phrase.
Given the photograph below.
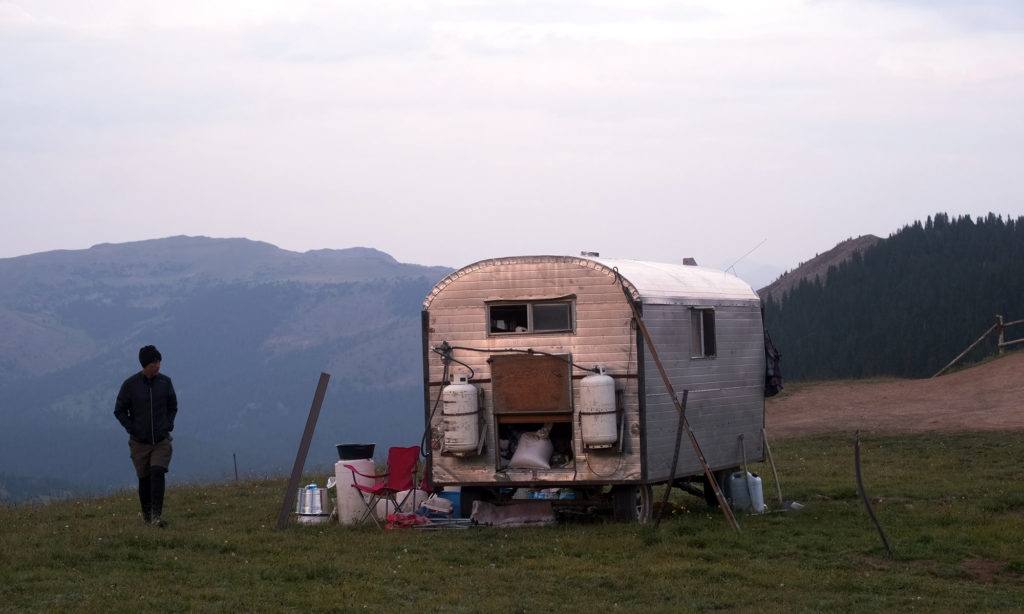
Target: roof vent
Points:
(590, 254)
(689, 262)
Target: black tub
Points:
(355, 451)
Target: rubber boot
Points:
(146, 498)
(156, 490)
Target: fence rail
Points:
(1000, 328)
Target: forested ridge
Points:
(907, 305)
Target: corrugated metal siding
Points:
(458, 315)
(726, 392)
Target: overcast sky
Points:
(447, 132)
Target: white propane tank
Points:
(597, 409)
(746, 492)
(460, 410)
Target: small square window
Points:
(508, 318)
(551, 317)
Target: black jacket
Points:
(146, 407)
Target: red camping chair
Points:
(400, 476)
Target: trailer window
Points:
(530, 317)
(702, 333)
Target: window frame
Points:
(703, 333)
(569, 302)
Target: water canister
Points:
(461, 408)
(597, 409)
(746, 492)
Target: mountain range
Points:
(245, 329)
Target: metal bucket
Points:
(312, 501)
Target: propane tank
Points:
(461, 408)
(597, 409)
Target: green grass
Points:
(952, 507)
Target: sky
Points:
(749, 135)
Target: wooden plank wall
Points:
(457, 314)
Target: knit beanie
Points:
(149, 354)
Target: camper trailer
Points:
(537, 377)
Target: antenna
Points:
(744, 256)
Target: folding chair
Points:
(400, 476)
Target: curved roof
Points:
(659, 280)
(649, 282)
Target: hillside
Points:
(817, 267)
(245, 329)
(981, 398)
(905, 305)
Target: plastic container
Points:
(453, 494)
(746, 492)
(350, 500)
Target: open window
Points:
(702, 333)
(525, 317)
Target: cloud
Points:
(444, 132)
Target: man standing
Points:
(146, 406)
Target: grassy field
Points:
(952, 507)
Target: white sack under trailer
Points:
(522, 330)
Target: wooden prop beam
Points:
(722, 502)
(300, 457)
(675, 460)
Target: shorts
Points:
(146, 455)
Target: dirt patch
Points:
(984, 570)
(989, 397)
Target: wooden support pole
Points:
(300, 457)
(969, 348)
(675, 460)
(771, 460)
(864, 495)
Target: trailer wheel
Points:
(632, 503)
(722, 477)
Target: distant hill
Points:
(903, 306)
(245, 329)
(816, 267)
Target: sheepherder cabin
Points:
(536, 376)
